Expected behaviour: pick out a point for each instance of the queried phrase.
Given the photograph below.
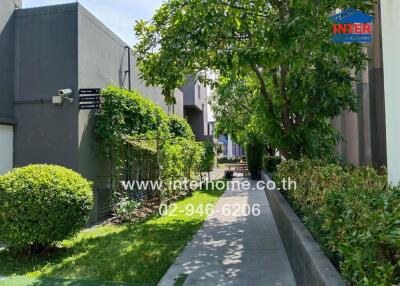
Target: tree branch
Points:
(263, 88)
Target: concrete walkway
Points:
(234, 250)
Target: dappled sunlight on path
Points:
(234, 249)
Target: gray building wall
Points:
(7, 39)
(377, 95)
(59, 47)
(195, 107)
(194, 94)
(46, 60)
(364, 131)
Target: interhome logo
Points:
(352, 26)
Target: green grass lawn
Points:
(136, 253)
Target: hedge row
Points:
(352, 214)
(126, 114)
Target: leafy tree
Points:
(279, 51)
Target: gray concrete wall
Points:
(377, 95)
(364, 131)
(198, 121)
(49, 44)
(46, 61)
(195, 107)
(194, 94)
(310, 265)
(7, 40)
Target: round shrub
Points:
(41, 205)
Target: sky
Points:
(118, 15)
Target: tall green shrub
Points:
(41, 205)
(180, 159)
(208, 156)
(254, 152)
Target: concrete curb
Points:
(310, 265)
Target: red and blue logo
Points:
(352, 26)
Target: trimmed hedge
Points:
(352, 214)
(225, 160)
(41, 205)
(270, 163)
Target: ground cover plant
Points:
(132, 252)
(352, 214)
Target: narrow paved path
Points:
(234, 250)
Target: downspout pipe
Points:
(128, 71)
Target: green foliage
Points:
(225, 160)
(41, 205)
(279, 73)
(180, 159)
(254, 152)
(270, 163)
(179, 127)
(130, 124)
(124, 208)
(208, 157)
(352, 214)
(125, 113)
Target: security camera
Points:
(65, 92)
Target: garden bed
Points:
(310, 265)
(352, 214)
(133, 253)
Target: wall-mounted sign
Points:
(85, 106)
(352, 26)
(89, 91)
(89, 98)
